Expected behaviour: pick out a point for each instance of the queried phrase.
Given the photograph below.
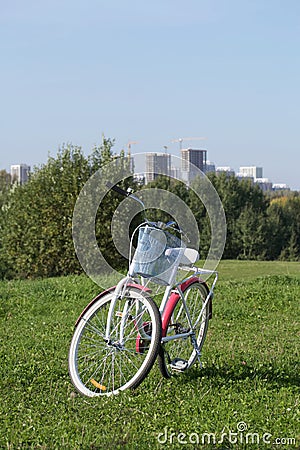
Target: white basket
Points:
(157, 256)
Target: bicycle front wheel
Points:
(179, 354)
(100, 366)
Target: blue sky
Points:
(153, 71)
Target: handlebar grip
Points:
(117, 189)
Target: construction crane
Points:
(129, 144)
(180, 140)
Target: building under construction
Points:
(192, 160)
(157, 164)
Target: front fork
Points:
(119, 288)
(124, 314)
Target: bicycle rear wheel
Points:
(99, 367)
(179, 354)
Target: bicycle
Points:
(122, 331)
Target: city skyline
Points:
(157, 160)
(153, 72)
(161, 163)
(128, 147)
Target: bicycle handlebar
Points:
(117, 189)
(163, 226)
(128, 193)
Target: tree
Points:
(165, 210)
(36, 237)
(5, 186)
(278, 229)
(251, 233)
(240, 197)
(284, 216)
(113, 168)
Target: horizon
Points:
(176, 158)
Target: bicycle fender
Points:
(174, 297)
(103, 293)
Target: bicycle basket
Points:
(157, 256)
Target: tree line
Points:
(36, 218)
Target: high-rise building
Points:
(190, 160)
(19, 173)
(175, 172)
(157, 164)
(264, 184)
(251, 172)
(280, 187)
(210, 167)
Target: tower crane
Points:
(129, 144)
(180, 140)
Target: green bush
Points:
(36, 219)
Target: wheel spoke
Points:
(182, 350)
(101, 367)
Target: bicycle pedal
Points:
(179, 364)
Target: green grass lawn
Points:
(247, 390)
(245, 270)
